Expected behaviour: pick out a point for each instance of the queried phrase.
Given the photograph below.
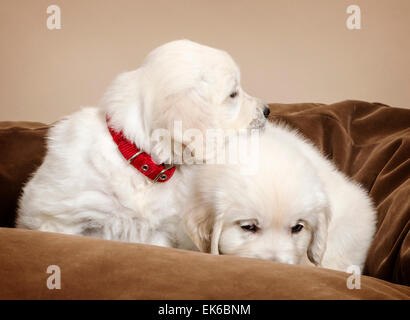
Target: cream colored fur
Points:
(86, 187)
(293, 183)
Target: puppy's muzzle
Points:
(262, 114)
(266, 111)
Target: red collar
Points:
(141, 160)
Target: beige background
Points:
(288, 50)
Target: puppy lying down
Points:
(295, 207)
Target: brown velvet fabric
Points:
(102, 269)
(368, 141)
(22, 148)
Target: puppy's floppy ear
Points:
(317, 246)
(204, 228)
(188, 107)
(126, 103)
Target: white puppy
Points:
(88, 185)
(295, 208)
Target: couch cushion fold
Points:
(101, 269)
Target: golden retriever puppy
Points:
(111, 172)
(295, 207)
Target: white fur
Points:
(293, 182)
(86, 187)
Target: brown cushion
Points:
(370, 142)
(367, 141)
(101, 269)
(22, 146)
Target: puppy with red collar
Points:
(103, 176)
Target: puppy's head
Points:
(279, 213)
(181, 81)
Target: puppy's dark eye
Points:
(250, 228)
(233, 94)
(297, 228)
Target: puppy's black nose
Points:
(266, 111)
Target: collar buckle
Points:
(162, 176)
(130, 160)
